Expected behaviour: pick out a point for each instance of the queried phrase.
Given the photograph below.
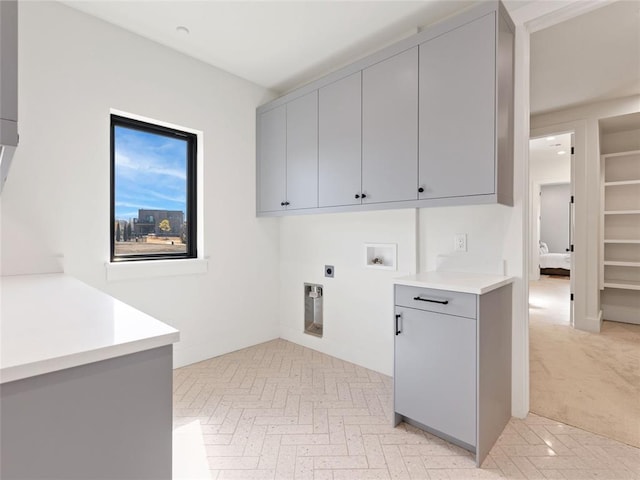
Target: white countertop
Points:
(53, 322)
(477, 283)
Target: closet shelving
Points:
(621, 218)
(620, 270)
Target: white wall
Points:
(584, 121)
(73, 69)
(485, 226)
(545, 170)
(554, 216)
(358, 301)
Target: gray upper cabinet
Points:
(425, 122)
(8, 85)
(340, 142)
(8, 72)
(457, 111)
(390, 129)
(302, 152)
(272, 160)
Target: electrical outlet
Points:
(460, 242)
(329, 271)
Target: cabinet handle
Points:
(357, 195)
(282, 204)
(285, 203)
(398, 332)
(443, 302)
(421, 190)
(364, 195)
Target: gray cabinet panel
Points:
(435, 372)
(494, 368)
(457, 303)
(104, 420)
(302, 152)
(272, 144)
(340, 142)
(390, 129)
(9, 60)
(504, 124)
(457, 111)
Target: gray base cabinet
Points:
(435, 376)
(452, 370)
(106, 420)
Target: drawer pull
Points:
(443, 302)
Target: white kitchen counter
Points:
(476, 283)
(53, 322)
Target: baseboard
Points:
(591, 324)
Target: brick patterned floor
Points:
(282, 411)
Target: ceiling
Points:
(284, 44)
(549, 148)
(275, 44)
(595, 56)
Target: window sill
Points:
(117, 271)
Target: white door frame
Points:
(577, 270)
(530, 18)
(579, 190)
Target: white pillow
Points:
(544, 248)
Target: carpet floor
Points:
(588, 380)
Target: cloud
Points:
(144, 165)
(150, 172)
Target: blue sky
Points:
(150, 172)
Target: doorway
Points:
(576, 377)
(551, 218)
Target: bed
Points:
(554, 263)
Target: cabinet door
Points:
(390, 129)
(457, 111)
(340, 142)
(435, 372)
(302, 152)
(272, 144)
(9, 61)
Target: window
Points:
(153, 191)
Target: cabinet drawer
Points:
(440, 301)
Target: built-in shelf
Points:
(621, 154)
(613, 263)
(624, 182)
(622, 212)
(620, 218)
(622, 284)
(610, 240)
